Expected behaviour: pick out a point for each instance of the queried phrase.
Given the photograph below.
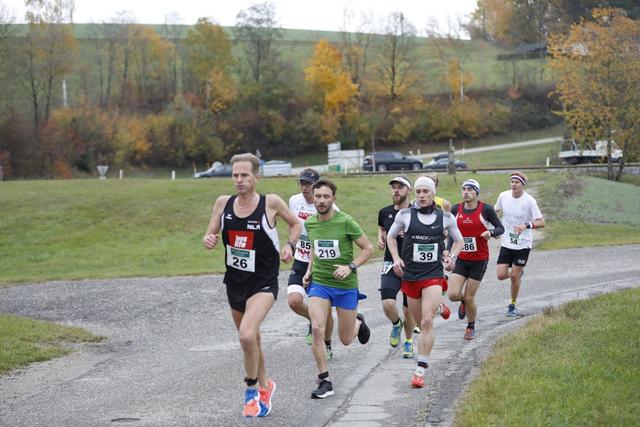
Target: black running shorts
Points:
(513, 257)
(471, 269)
(239, 293)
(390, 285)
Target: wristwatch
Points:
(353, 266)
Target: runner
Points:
(472, 216)
(520, 215)
(332, 277)
(247, 223)
(302, 206)
(390, 282)
(421, 262)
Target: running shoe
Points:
(417, 381)
(363, 332)
(407, 351)
(329, 351)
(417, 330)
(469, 334)
(309, 337)
(251, 403)
(443, 310)
(265, 399)
(325, 389)
(394, 337)
(512, 311)
(461, 311)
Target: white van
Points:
(275, 168)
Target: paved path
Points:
(423, 156)
(171, 355)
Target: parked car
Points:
(275, 168)
(442, 164)
(216, 169)
(390, 160)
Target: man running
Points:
(421, 262)
(390, 283)
(520, 215)
(473, 217)
(302, 206)
(332, 277)
(247, 223)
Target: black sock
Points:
(324, 376)
(251, 382)
(327, 343)
(397, 322)
(471, 325)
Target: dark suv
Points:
(391, 160)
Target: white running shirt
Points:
(303, 210)
(515, 212)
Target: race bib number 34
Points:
(469, 244)
(241, 259)
(425, 252)
(326, 249)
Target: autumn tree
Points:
(209, 63)
(257, 31)
(48, 52)
(330, 84)
(395, 62)
(355, 46)
(452, 51)
(596, 67)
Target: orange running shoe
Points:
(417, 381)
(265, 399)
(251, 403)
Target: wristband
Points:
(529, 225)
(290, 243)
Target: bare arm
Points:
(382, 237)
(366, 250)
(210, 238)
(278, 207)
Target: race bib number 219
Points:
(326, 249)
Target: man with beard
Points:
(332, 277)
(390, 283)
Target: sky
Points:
(293, 14)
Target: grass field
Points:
(533, 155)
(24, 341)
(151, 227)
(575, 366)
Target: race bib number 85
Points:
(326, 249)
(425, 252)
(241, 259)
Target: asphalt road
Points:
(171, 356)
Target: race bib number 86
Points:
(469, 244)
(425, 252)
(326, 249)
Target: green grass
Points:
(589, 211)
(533, 155)
(578, 365)
(24, 341)
(55, 230)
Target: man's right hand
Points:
(210, 240)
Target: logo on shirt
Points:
(227, 216)
(304, 215)
(253, 227)
(241, 239)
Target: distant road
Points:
(323, 168)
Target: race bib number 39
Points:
(326, 249)
(469, 244)
(425, 252)
(241, 259)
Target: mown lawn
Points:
(24, 341)
(576, 366)
(153, 227)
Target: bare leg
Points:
(318, 309)
(469, 299)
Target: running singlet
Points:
(471, 226)
(422, 248)
(251, 247)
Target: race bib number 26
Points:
(241, 259)
(326, 249)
